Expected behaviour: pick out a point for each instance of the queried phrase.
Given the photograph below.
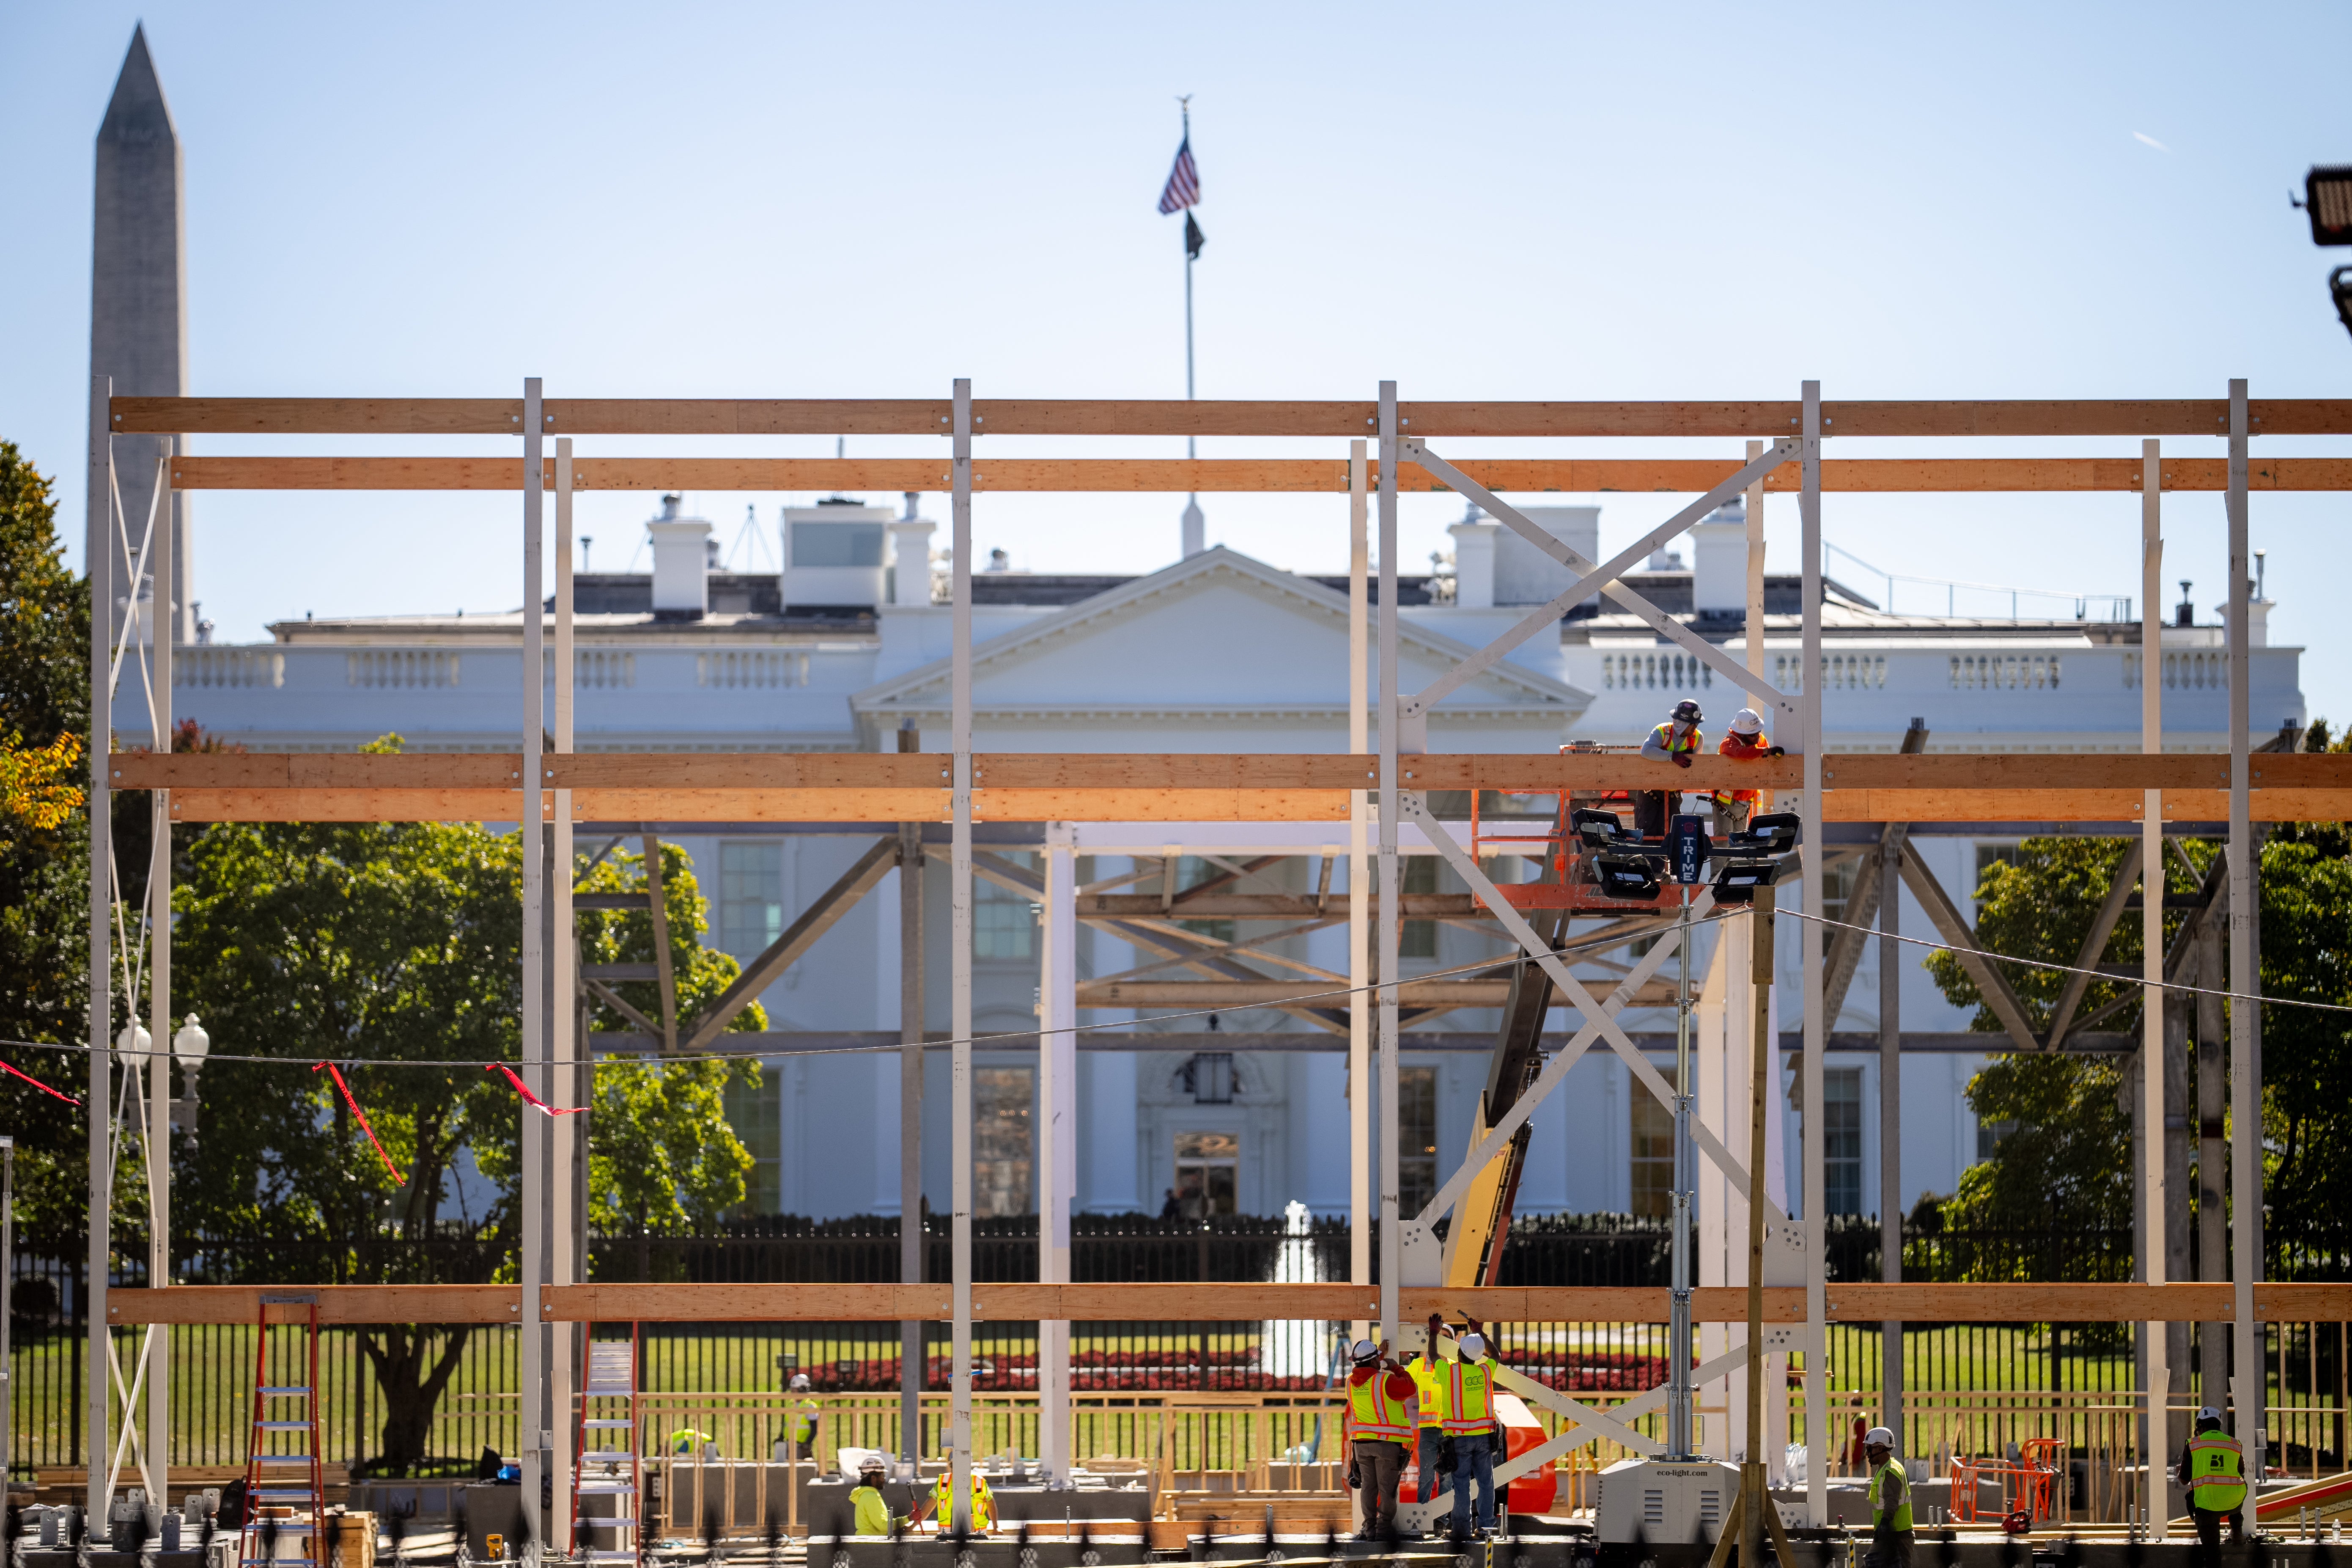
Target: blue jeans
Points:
(1431, 1438)
(1474, 1456)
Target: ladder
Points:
(282, 1464)
(606, 1461)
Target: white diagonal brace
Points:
(1586, 1431)
(1554, 1070)
(1415, 806)
(1603, 577)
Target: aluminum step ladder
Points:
(282, 1464)
(607, 1463)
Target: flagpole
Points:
(1194, 539)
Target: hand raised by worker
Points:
(1682, 759)
(1776, 750)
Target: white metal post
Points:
(1058, 1146)
(1359, 1016)
(98, 555)
(1810, 963)
(1755, 510)
(959, 955)
(1392, 1251)
(163, 627)
(569, 1079)
(2249, 1384)
(531, 1416)
(2154, 1198)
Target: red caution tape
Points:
(524, 1089)
(36, 1083)
(336, 1073)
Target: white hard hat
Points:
(1364, 1351)
(2208, 1413)
(1748, 721)
(1473, 1346)
(801, 1380)
(1877, 1438)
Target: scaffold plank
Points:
(1144, 417)
(2007, 1301)
(1238, 475)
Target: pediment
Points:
(1219, 633)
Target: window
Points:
(1003, 922)
(1192, 871)
(1990, 1135)
(1841, 1140)
(1416, 1139)
(836, 544)
(1417, 874)
(1987, 857)
(1208, 1166)
(1653, 1144)
(756, 1113)
(1837, 885)
(1001, 1145)
(750, 896)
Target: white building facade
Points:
(1221, 653)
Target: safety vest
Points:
(873, 1512)
(804, 1422)
(2217, 1481)
(1374, 1415)
(1889, 1481)
(1735, 747)
(1470, 1397)
(1673, 745)
(983, 1506)
(686, 1440)
(1426, 1378)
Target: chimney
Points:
(910, 557)
(1474, 561)
(1525, 576)
(681, 564)
(834, 556)
(1719, 563)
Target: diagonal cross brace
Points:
(1416, 807)
(1991, 982)
(1591, 1426)
(1604, 577)
(799, 937)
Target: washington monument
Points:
(138, 308)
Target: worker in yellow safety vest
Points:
(1471, 1426)
(2213, 1469)
(942, 1498)
(803, 1417)
(1429, 1407)
(872, 1511)
(1676, 740)
(1378, 1422)
(1890, 1534)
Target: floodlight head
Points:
(1597, 829)
(1768, 833)
(2328, 199)
(1626, 876)
(2339, 288)
(1736, 881)
(191, 1043)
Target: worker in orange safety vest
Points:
(1746, 743)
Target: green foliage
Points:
(44, 869)
(2068, 1156)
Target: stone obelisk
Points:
(139, 306)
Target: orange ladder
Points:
(267, 1459)
(610, 1408)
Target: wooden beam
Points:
(1164, 417)
(1158, 1301)
(1320, 476)
(1991, 981)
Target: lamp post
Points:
(190, 1044)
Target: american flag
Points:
(1183, 181)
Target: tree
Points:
(391, 948)
(44, 847)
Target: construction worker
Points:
(942, 1498)
(1890, 1503)
(1470, 1423)
(1746, 743)
(872, 1511)
(804, 1418)
(1378, 1422)
(1427, 1371)
(1676, 740)
(2213, 1469)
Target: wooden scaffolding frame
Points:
(1784, 440)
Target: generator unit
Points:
(1672, 1502)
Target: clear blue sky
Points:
(1479, 200)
